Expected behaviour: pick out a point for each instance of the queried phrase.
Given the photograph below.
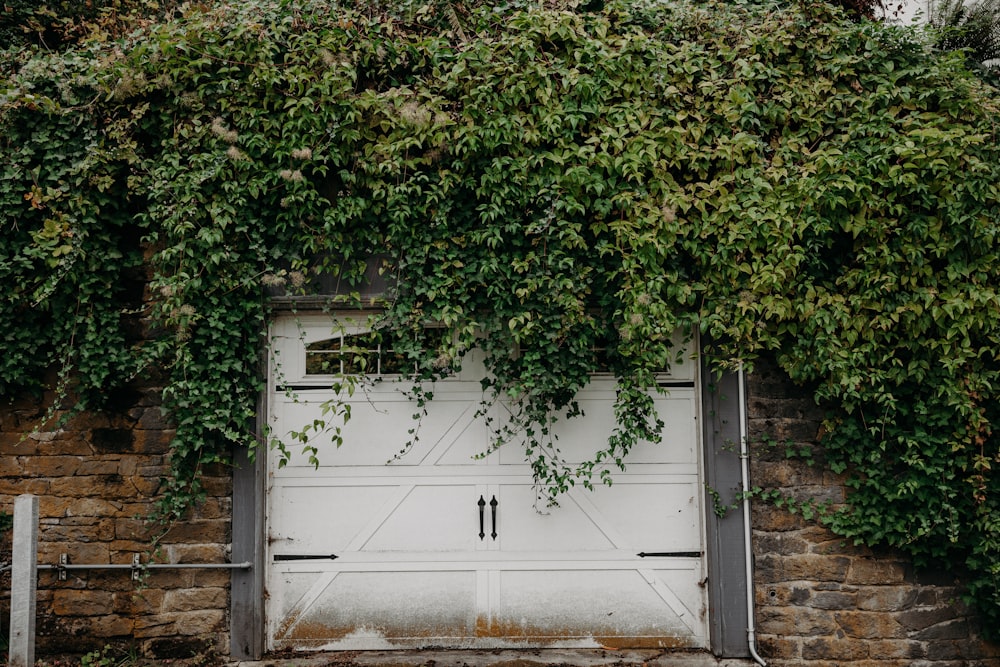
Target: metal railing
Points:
(136, 566)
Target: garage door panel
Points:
(605, 518)
(298, 528)
(666, 512)
(524, 524)
(429, 518)
(406, 517)
(579, 438)
(382, 429)
(383, 606)
(599, 604)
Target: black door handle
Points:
(493, 512)
(482, 508)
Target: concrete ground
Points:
(499, 658)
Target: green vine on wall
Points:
(782, 180)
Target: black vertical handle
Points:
(482, 508)
(493, 512)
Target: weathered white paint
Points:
(411, 569)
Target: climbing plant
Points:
(549, 185)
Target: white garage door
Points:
(441, 548)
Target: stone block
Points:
(896, 649)
(769, 518)
(212, 508)
(137, 508)
(195, 599)
(14, 487)
(785, 474)
(869, 625)
(779, 648)
(886, 598)
(85, 421)
(920, 619)
(118, 582)
(152, 469)
(217, 486)
(66, 444)
(198, 532)
(210, 578)
(782, 595)
(79, 506)
(833, 600)
(834, 649)
(871, 571)
(94, 530)
(782, 543)
(785, 407)
(150, 396)
(112, 440)
(136, 529)
(796, 621)
(79, 553)
(81, 603)
(151, 419)
(147, 486)
(200, 622)
(819, 494)
(104, 466)
(195, 553)
(812, 567)
(840, 546)
(152, 441)
(788, 429)
(767, 569)
(155, 625)
(110, 626)
(135, 602)
(13, 444)
(49, 466)
(954, 629)
(168, 578)
(10, 466)
(131, 528)
(958, 649)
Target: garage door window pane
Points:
(367, 353)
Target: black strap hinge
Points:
(669, 554)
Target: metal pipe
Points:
(246, 565)
(748, 544)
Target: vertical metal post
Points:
(23, 578)
(247, 592)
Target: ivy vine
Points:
(784, 181)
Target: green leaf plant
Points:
(541, 183)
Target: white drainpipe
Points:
(748, 547)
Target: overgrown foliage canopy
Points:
(784, 181)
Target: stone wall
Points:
(96, 478)
(821, 602)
